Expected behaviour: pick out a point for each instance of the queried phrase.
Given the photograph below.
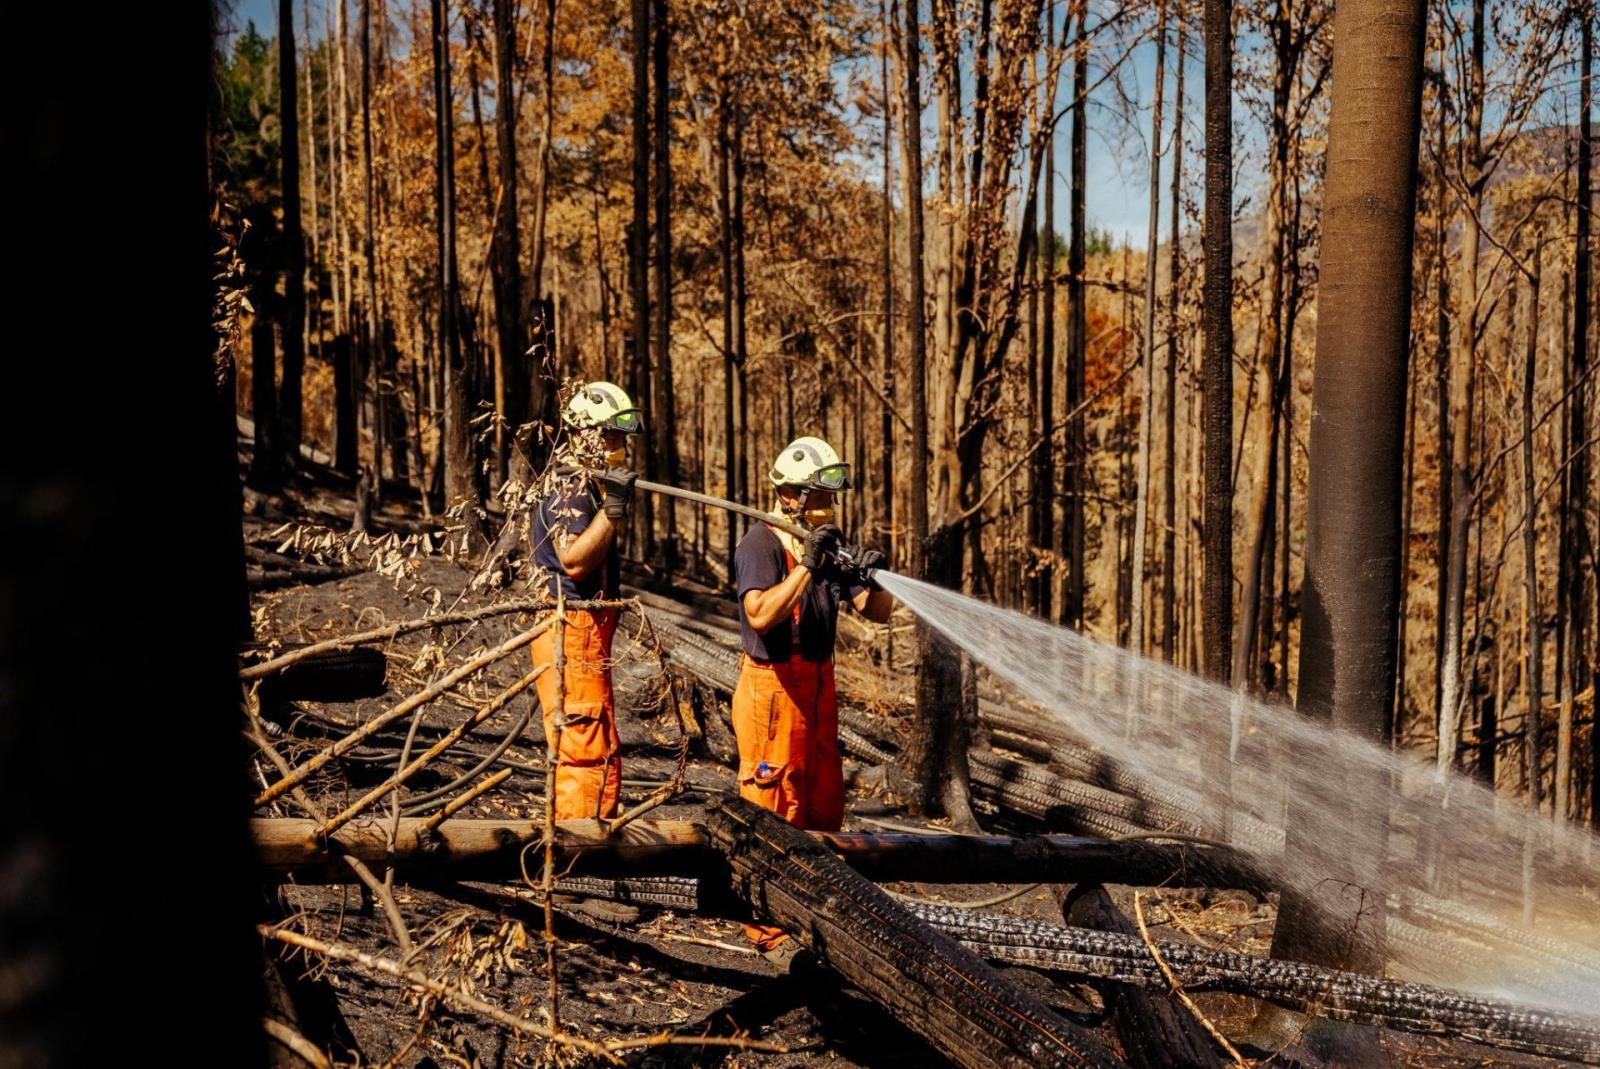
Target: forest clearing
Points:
(712, 532)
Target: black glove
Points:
(869, 561)
(852, 563)
(820, 546)
(618, 483)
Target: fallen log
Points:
(461, 848)
(1002, 772)
(1153, 1030)
(478, 849)
(1042, 859)
(933, 986)
(1332, 993)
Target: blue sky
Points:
(1118, 174)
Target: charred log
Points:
(942, 990)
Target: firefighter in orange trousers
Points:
(575, 533)
(785, 709)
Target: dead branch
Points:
(461, 801)
(295, 1042)
(455, 735)
(1177, 988)
(416, 701)
(381, 634)
(444, 992)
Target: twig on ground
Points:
(1177, 988)
(299, 1044)
(444, 992)
(380, 891)
(461, 801)
(673, 937)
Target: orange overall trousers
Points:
(786, 718)
(588, 768)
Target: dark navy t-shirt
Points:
(572, 512)
(760, 564)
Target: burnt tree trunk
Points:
(1351, 585)
(1169, 567)
(1073, 540)
(1217, 311)
(664, 417)
(640, 376)
(515, 377)
(372, 348)
(294, 250)
(730, 444)
(969, 1012)
(345, 436)
(460, 480)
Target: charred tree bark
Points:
(664, 418)
(1046, 477)
(461, 484)
(373, 351)
(932, 771)
(969, 1012)
(346, 438)
(730, 444)
(1351, 583)
(1330, 993)
(1217, 310)
(516, 378)
(1073, 541)
(640, 376)
(294, 248)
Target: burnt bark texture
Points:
(963, 1007)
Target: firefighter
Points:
(785, 709)
(575, 534)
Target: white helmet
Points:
(810, 462)
(605, 405)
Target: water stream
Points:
(1445, 857)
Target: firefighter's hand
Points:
(618, 483)
(869, 561)
(820, 546)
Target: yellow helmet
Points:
(605, 405)
(812, 463)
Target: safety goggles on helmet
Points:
(831, 477)
(627, 421)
